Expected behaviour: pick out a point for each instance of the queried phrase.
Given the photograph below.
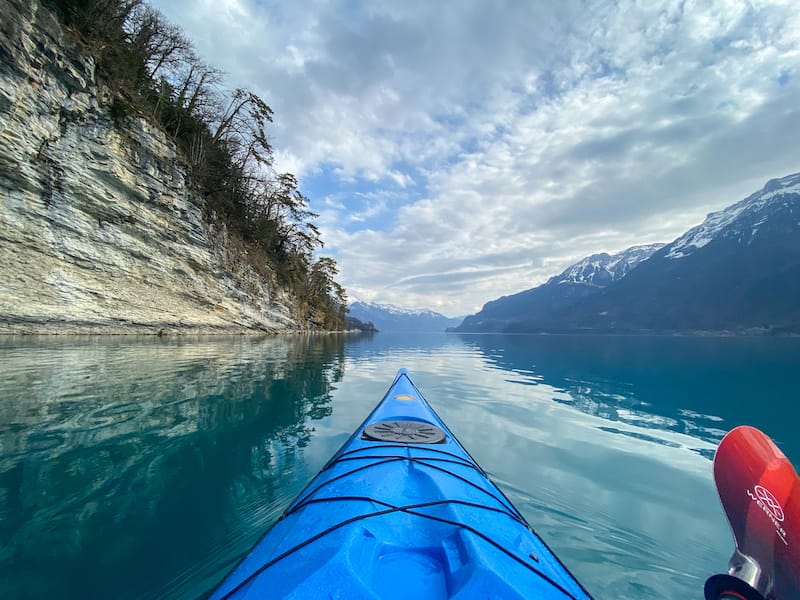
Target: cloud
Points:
(459, 152)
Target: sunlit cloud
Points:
(456, 153)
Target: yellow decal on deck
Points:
(404, 397)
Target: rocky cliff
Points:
(99, 228)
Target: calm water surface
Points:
(145, 468)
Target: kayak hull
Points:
(401, 511)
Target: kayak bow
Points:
(401, 511)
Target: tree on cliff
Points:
(155, 72)
(330, 297)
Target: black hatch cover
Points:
(404, 432)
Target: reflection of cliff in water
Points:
(694, 385)
(109, 445)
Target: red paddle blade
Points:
(760, 492)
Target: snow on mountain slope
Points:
(602, 269)
(388, 317)
(738, 219)
(392, 309)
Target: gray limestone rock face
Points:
(99, 229)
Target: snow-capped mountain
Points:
(744, 219)
(387, 317)
(577, 282)
(603, 269)
(738, 271)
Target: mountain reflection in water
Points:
(689, 385)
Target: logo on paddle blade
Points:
(770, 502)
(771, 507)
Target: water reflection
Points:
(113, 451)
(145, 468)
(700, 387)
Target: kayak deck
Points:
(401, 511)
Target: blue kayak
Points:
(401, 511)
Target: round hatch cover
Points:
(404, 432)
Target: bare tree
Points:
(160, 45)
(243, 128)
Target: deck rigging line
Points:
(411, 509)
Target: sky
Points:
(458, 151)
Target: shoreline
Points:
(87, 330)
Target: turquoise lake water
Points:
(146, 467)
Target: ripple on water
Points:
(44, 441)
(111, 415)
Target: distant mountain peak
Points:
(389, 317)
(400, 310)
(741, 213)
(602, 269)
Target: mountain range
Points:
(386, 317)
(738, 272)
(577, 282)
